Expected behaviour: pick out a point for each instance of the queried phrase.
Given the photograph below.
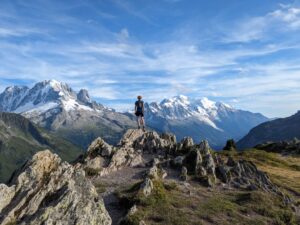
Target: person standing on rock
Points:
(139, 112)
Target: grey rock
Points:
(96, 163)
(178, 161)
(209, 164)
(201, 172)
(192, 161)
(252, 187)
(99, 147)
(164, 174)
(184, 173)
(132, 210)
(49, 191)
(153, 172)
(124, 156)
(147, 187)
(204, 147)
(187, 143)
(231, 162)
(142, 222)
(223, 173)
(130, 137)
(155, 161)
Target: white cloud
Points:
(289, 15)
(119, 66)
(286, 18)
(17, 32)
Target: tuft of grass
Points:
(91, 171)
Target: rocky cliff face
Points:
(48, 191)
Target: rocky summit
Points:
(149, 178)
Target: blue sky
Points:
(245, 53)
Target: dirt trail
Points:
(122, 178)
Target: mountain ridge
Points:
(215, 121)
(20, 139)
(75, 116)
(282, 129)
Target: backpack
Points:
(139, 106)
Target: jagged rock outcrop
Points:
(195, 161)
(48, 191)
(244, 174)
(99, 147)
(186, 144)
(147, 187)
(184, 173)
(129, 151)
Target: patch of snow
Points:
(72, 104)
(207, 104)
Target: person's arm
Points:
(135, 108)
(143, 108)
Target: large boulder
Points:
(130, 137)
(147, 187)
(48, 191)
(99, 147)
(186, 144)
(192, 161)
(154, 143)
(204, 147)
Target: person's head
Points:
(139, 97)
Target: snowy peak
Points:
(44, 96)
(180, 100)
(54, 88)
(181, 107)
(11, 97)
(206, 103)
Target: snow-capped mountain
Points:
(201, 119)
(180, 108)
(75, 116)
(57, 107)
(44, 96)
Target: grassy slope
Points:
(173, 203)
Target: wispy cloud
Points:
(115, 61)
(287, 17)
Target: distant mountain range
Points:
(74, 116)
(275, 130)
(201, 119)
(20, 139)
(57, 107)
